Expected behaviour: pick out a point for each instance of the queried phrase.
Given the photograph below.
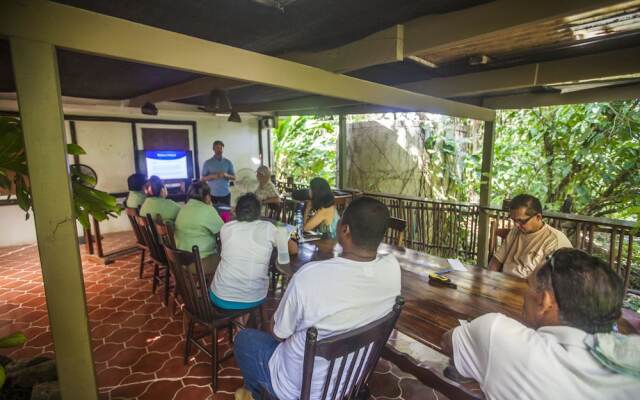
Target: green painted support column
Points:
(342, 151)
(37, 81)
(485, 192)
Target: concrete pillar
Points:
(37, 82)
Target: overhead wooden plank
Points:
(628, 92)
(611, 64)
(433, 32)
(382, 47)
(185, 90)
(88, 32)
(296, 104)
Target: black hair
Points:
(532, 204)
(198, 191)
(248, 208)
(153, 187)
(368, 220)
(136, 182)
(218, 142)
(321, 194)
(588, 292)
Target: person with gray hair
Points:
(565, 347)
(266, 191)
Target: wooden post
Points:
(485, 193)
(37, 82)
(342, 151)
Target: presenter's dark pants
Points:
(222, 199)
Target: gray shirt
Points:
(219, 187)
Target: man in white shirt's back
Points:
(334, 296)
(569, 298)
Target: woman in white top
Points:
(241, 280)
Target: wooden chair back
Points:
(165, 233)
(289, 211)
(191, 286)
(151, 238)
(356, 354)
(496, 236)
(132, 214)
(395, 231)
(272, 211)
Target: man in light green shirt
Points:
(197, 224)
(135, 198)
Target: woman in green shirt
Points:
(157, 203)
(197, 224)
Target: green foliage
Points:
(14, 173)
(13, 340)
(304, 148)
(590, 152)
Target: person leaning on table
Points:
(565, 349)
(529, 242)
(197, 225)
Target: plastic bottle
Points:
(298, 221)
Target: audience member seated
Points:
(334, 296)
(325, 219)
(157, 203)
(135, 198)
(241, 280)
(529, 242)
(266, 191)
(197, 224)
(571, 304)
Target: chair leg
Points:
(214, 361)
(142, 263)
(187, 343)
(167, 277)
(156, 277)
(230, 329)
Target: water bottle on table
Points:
(298, 221)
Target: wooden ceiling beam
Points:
(531, 100)
(611, 64)
(92, 33)
(295, 104)
(437, 31)
(382, 47)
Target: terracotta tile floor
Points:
(137, 343)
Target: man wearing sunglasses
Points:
(529, 242)
(564, 349)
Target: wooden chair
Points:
(395, 232)
(496, 233)
(157, 254)
(272, 211)
(165, 232)
(350, 350)
(198, 308)
(132, 214)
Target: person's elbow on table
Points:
(495, 265)
(446, 342)
(293, 247)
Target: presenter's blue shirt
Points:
(219, 187)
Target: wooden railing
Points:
(451, 229)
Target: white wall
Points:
(109, 149)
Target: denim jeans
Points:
(253, 349)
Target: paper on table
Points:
(456, 264)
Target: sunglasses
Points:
(522, 222)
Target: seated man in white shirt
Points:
(571, 299)
(529, 242)
(334, 296)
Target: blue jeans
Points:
(253, 349)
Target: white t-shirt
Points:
(521, 252)
(334, 296)
(511, 361)
(242, 273)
